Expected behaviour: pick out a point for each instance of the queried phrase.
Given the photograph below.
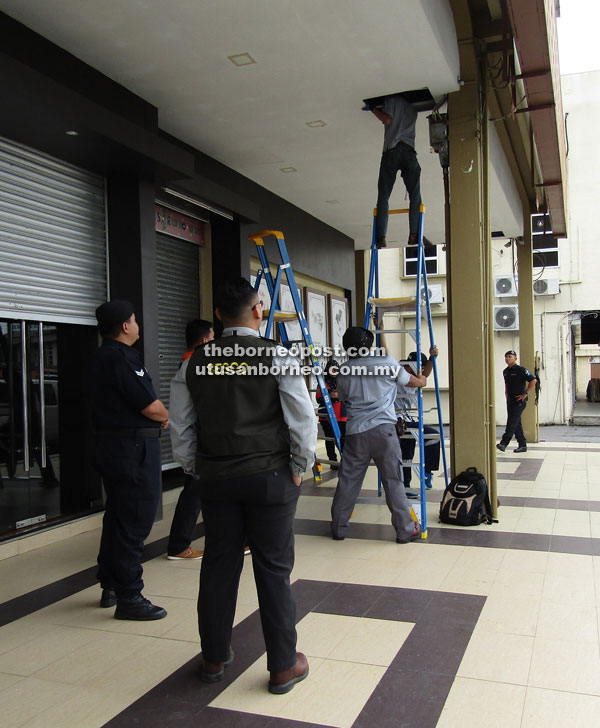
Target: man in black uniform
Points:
(253, 433)
(518, 382)
(127, 418)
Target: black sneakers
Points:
(381, 243)
(521, 448)
(108, 598)
(139, 609)
(500, 447)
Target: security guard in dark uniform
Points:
(518, 382)
(127, 418)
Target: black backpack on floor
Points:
(466, 501)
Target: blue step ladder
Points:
(375, 305)
(279, 317)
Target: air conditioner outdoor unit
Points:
(506, 318)
(546, 287)
(506, 286)
(436, 293)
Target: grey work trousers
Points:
(381, 444)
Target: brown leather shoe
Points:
(283, 681)
(212, 672)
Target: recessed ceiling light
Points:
(288, 169)
(242, 59)
(314, 124)
(332, 202)
(72, 132)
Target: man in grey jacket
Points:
(246, 427)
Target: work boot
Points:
(521, 448)
(282, 681)
(413, 239)
(138, 609)
(212, 672)
(500, 447)
(108, 599)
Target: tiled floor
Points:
(496, 625)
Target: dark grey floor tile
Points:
(453, 610)
(572, 545)
(573, 505)
(451, 536)
(403, 605)
(433, 650)
(530, 541)
(406, 699)
(309, 594)
(352, 600)
(539, 502)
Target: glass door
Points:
(29, 456)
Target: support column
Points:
(526, 324)
(473, 434)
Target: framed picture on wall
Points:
(317, 319)
(265, 297)
(338, 323)
(293, 328)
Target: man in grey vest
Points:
(248, 431)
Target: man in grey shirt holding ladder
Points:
(368, 384)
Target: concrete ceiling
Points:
(315, 60)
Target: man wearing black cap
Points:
(368, 385)
(127, 418)
(518, 382)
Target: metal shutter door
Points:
(178, 291)
(52, 238)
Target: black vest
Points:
(240, 425)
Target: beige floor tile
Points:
(562, 665)
(499, 660)
(8, 550)
(537, 526)
(512, 585)
(248, 693)
(26, 699)
(469, 580)
(319, 633)
(503, 705)
(562, 564)
(515, 615)
(555, 709)
(349, 687)
(19, 633)
(567, 622)
(518, 561)
(143, 669)
(85, 664)
(571, 589)
(44, 649)
(372, 642)
(88, 709)
(7, 681)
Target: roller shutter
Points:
(178, 291)
(52, 238)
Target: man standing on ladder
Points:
(399, 118)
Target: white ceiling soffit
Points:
(506, 208)
(315, 60)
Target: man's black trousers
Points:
(258, 509)
(186, 514)
(130, 468)
(432, 451)
(513, 422)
